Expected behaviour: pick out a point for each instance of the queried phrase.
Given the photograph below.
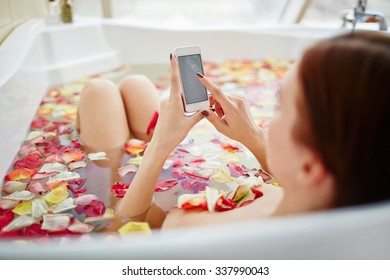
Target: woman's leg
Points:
(102, 116)
(142, 101)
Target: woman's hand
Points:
(231, 114)
(231, 117)
(173, 126)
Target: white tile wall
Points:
(15, 12)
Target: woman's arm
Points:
(233, 119)
(172, 127)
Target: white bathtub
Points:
(35, 57)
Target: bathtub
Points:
(36, 57)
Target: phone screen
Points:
(194, 91)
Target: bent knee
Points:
(132, 81)
(98, 87)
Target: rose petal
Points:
(40, 176)
(37, 189)
(33, 134)
(165, 185)
(18, 223)
(257, 193)
(56, 222)
(13, 186)
(28, 162)
(39, 208)
(122, 171)
(108, 215)
(6, 217)
(20, 174)
(224, 204)
(65, 205)
(193, 185)
(119, 189)
(54, 158)
(250, 181)
(193, 172)
(77, 164)
(56, 196)
(57, 184)
(53, 167)
(64, 176)
(191, 201)
(6, 204)
(212, 197)
(221, 176)
(231, 158)
(135, 146)
(95, 208)
(35, 230)
(23, 208)
(23, 195)
(237, 170)
(265, 176)
(85, 199)
(98, 156)
(178, 174)
(71, 155)
(40, 122)
(242, 195)
(195, 151)
(135, 227)
(167, 164)
(136, 160)
(80, 227)
(229, 147)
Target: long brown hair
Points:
(345, 113)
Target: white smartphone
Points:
(194, 94)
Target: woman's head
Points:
(339, 102)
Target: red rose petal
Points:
(165, 185)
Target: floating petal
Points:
(135, 227)
(80, 227)
(178, 174)
(224, 204)
(6, 204)
(193, 185)
(98, 156)
(56, 222)
(29, 161)
(85, 199)
(35, 230)
(136, 160)
(237, 170)
(193, 172)
(38, 208)
(195, 151)
(231, 158)
(23, 195)
(54, 158)
(6, 217)
(212, 197)
(20, 174)
(33, 134)
(23, 208)
(53, 167)
(39, 176)
(167, 164)
(192, 201)
(18, 223)
(250, 181)
(67, 204)
(13, 186)
(64, 176)
(242, 195)
(57, 184)
(71, 155)
(56, 196)
(119, 189)
(95, 208)
(229, 147)
(265, 176)
(122, 171)
(135, 146)
(211, 165)
(108, 215)
(221, 176)
(162, 186)
(37, 189)
(77, 164)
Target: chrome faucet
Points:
(360, 15)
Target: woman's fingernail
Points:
(170, 56)
(205, 113)
(200, 75)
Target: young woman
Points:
(328, 144)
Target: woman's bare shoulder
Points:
(260, 208)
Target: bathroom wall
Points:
(15, 12)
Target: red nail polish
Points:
(205, 113)
(170, 56)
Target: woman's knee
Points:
(97, 88)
